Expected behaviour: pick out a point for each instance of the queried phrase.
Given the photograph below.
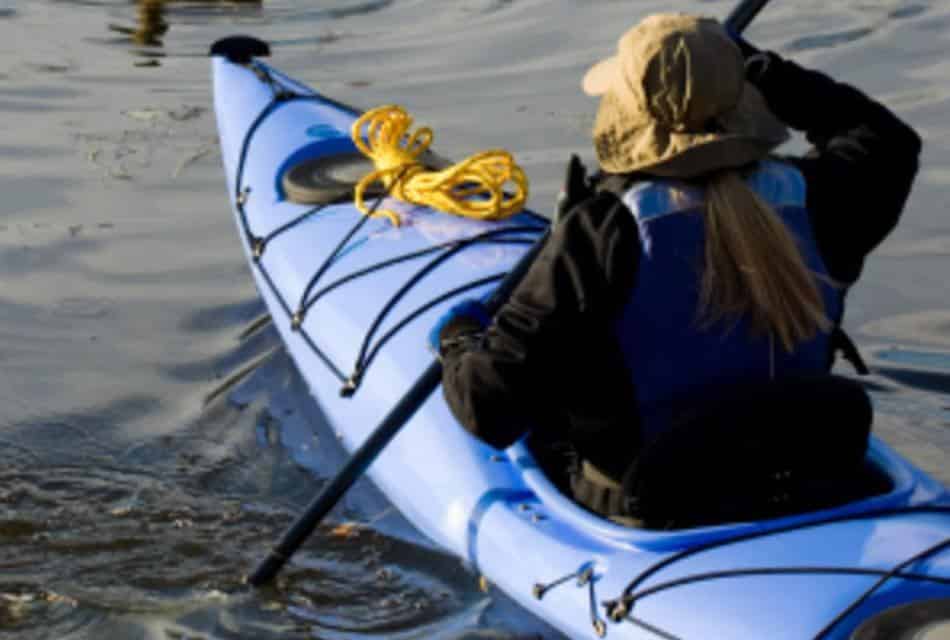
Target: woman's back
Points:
(677, 352)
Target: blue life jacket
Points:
(674, 360)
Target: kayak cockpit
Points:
(889, 483)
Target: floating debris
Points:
(346, 530)
(147, 114)
(186, 112)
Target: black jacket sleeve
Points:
(548, 331)
(860, 169)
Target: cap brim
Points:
(600, 77)
(627, 139)
(752, 118)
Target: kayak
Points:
(354, 298)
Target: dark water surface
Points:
(131, 504)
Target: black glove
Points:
(464, 318)
(576, 188)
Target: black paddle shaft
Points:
(743, 14)
(400, 414)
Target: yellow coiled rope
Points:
(472, 188)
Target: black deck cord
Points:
(386, 337)
(646, 626)
(425, 307)
(303, 334)
(298, 316)
(262, 242)
(271, 73)
(359, 273)
(351, 384)
(380, 266)
(600, 627)
(240, 195)
(283, 96)
(584, 576)
(619, 608)
(256, 243)
(359, 369)
(264, 76)
(418, 276)
(896, 572)
(540, 589)
(770, 571)
(926, 553)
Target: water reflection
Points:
(151, 24)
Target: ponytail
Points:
(753, 267)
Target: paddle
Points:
(400, 414)
(744, 13)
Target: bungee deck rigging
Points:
(452, 179)
(621, 609)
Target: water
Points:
(131, 504)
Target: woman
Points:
(678, 327)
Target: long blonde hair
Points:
(753, 267)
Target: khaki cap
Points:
(674, 101)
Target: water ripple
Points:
(826, 40)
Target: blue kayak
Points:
(354, 298)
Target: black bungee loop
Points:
(584, 576)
